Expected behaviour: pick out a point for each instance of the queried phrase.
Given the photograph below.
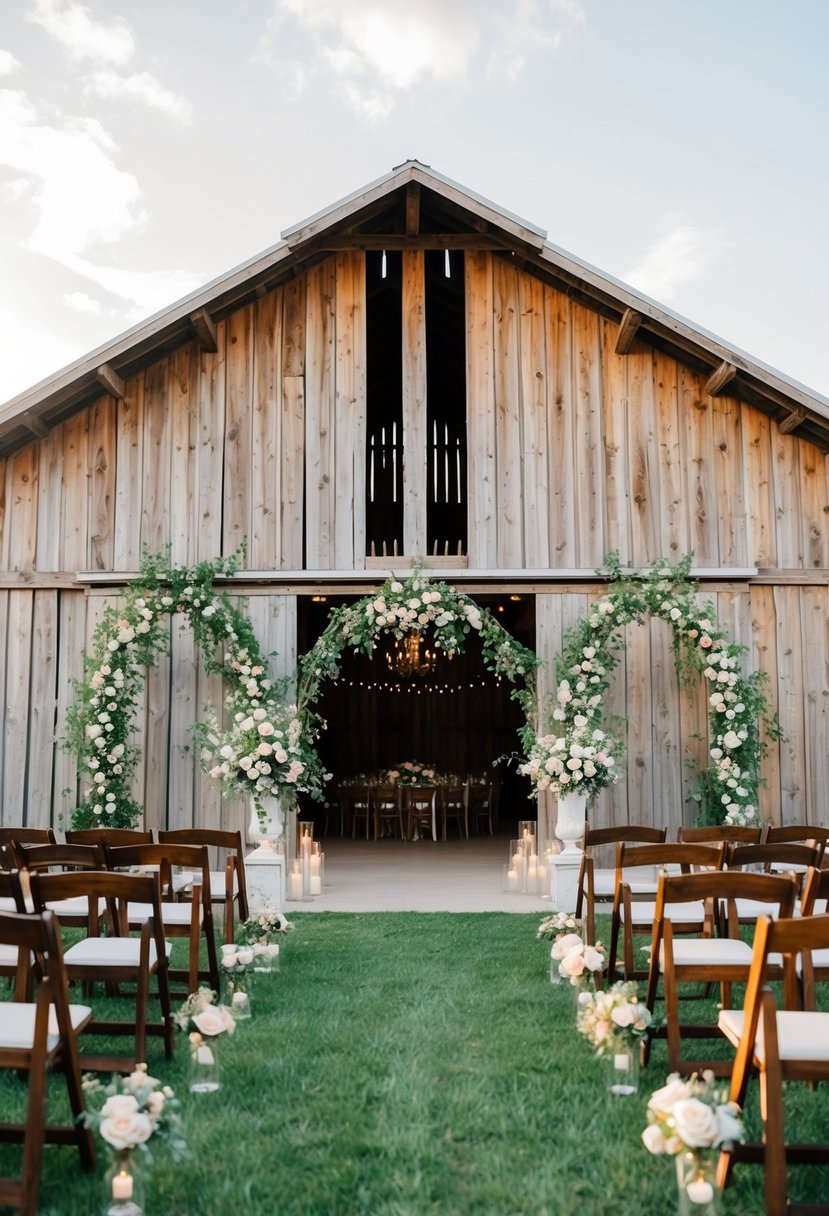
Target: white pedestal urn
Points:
(265, 866)
(564, 866)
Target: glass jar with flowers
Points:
(578, 964)
(552, 927)
(205, 1022)
(615, 1021)
(133, 1111)
(262, 933)
(691, 1120)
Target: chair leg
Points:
(771, 1112)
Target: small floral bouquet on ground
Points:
(261, 934)
(202, 1018)
(135, 1110)
(613, 1018)
(557, 924)
(691, 1115)
(576, 960)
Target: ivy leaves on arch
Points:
(578, 756)
(265, 748)
(415, 604)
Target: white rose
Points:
(593, 958)
(155, 1102)
(695, 1123)
(622, 1015)
(119, 1105)
(212, 1021)
(126, 1130)
(663, 1100)
(245, 957)
(729, 1127)
(562, 945)
(653, 1139)
(731, 740)
(572, 965)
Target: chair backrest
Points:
(802, 855)
(631, 833)
(27, 836)
(212, 837)
(728, 886)
(60, 856)
(117, 888)
(164, 856)
(108, 836)
(716, 832)
(793, 832)
(687, 856)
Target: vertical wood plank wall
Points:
(573, 451)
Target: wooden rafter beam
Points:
(34, 424)
(719, 378)
(108, 378)
(791, 422)
(412, 209)
(628, 328)
(427, 240)
(204, 327)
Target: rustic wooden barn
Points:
(414, 372)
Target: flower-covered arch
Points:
(266, 747)
(414, 604)
(579, 756)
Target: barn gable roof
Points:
(413, 207)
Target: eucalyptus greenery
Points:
(738, 708)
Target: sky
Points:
(147, 148)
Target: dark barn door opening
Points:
(457, 718)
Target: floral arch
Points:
(265, 747)
(416, 603)
(579, 756)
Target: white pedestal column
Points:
(265, 872)
(564, 876)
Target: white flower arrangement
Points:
(202, 1018)
(691, 1115)
(136, 1108)
(612, 1017)
(263, 928)
(578, 755)
(127, 641)
(576, 960)
(556, 924)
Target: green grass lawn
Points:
(406, 1064)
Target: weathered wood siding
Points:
(573, 451)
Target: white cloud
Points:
(79, 301)
(681, 256)
(529, 27)
(140, 87)
(375, 50)
(80, 195)
(74, 26)
(147, 291)
(8, 63)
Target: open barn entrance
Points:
(456, 718)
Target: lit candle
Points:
(240, 998)
(122, 1185)
(700, 1191)
(315, 885)
(512, 880)
(621, 1061)
(315, 865)
(204, 1054)
(272, 949)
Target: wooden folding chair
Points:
(482, 805)
(795, 833)
(359, 810)
(814, 965)
(117, 959)
(102, 836)
(597, 883)
(778, 1045)
(705, 959)
(794, 859)
(11, 900)
(42, 858)
(452, 802)
(712, 833)
(193, 918)
(419, 802)
(36, 1036)
(27, 836)
(634, 901)
(385, 807)
(228, 885)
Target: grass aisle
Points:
(402, 1065)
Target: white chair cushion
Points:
(687, 914)
(110, 952)
(8, 956)
(171, 914)
(78, 906)
(217, 884)
(801, 1035)
(750, 909)
(640, 878)
(781, 867)
(7, 904)
(698, 951)
(17, 1024)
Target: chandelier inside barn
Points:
(410, 657)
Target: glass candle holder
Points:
(622, 1062)
(204, 1067)
(122, 1187)
(696, 1180)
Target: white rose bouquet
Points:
(691, 1115)
(261, 933)
(135, 1109)
(202, 1018)
(557, 923)
(613, 1017)
(576, 961)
